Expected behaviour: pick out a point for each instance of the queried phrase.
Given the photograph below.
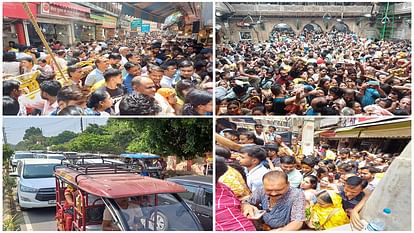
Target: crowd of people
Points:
(265, 182)
(312, 74)
(148, 75)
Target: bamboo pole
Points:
(42, 37)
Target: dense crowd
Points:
(149, 75)
(265, 182)
(312, 74)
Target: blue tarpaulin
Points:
(140, 156)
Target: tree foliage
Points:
(186, 138)
(32, 132)
(61, 138)
(7, 153)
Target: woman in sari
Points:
(327, 212)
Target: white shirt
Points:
(166, 82)
(255, 176)
(295, 178)
(123, 60)
(39, 103)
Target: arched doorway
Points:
(340, 27)
(312, 27)
(281, 29)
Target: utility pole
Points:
(4, 135)
(81, 124)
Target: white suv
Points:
(18, 155)
(36, 182)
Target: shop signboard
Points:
(53, 10)
(145, 28)
(136, 23)
(45, 8)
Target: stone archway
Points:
(312, 27)
(283, 28)
(340, 27)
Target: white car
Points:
(18, 155)
(99, 161)
(36, 183)
(50, 156)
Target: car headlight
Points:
(27, 189)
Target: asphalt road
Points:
(41, 219)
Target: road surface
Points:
(41, 219)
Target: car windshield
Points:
(56, 157)
(171, 214)
(24, 156)
(38, 171)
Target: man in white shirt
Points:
(47, 100)
(259, 131)
(288, 164)
(368, 174)
(27, 65)
(170, 68)
(251, 158)
(123, 51)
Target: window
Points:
(208, 197)
(38, 171)
(190, 194)
(245, 36)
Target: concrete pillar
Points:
(394, 192)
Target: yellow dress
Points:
(234, 180)
(320, 215)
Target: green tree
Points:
(93, 143)
(32, 132)
(7, 153)
(186, 138)
(95, 129)
(61, 138)
(33, 136)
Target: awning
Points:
(72, 6)
(394, 130)
(327, 133)
(15, 10)
(398, 128)
(350, 133)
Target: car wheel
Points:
(162, 221)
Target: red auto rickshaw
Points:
(97, 188)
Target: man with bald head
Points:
(146, 86)
(284, 205)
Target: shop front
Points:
(124, 29)
(84, 31)
(105, 26)
(385, 136)
(56, 20)
(15, 20)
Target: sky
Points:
(15, 127)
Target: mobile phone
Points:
(257, 214)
